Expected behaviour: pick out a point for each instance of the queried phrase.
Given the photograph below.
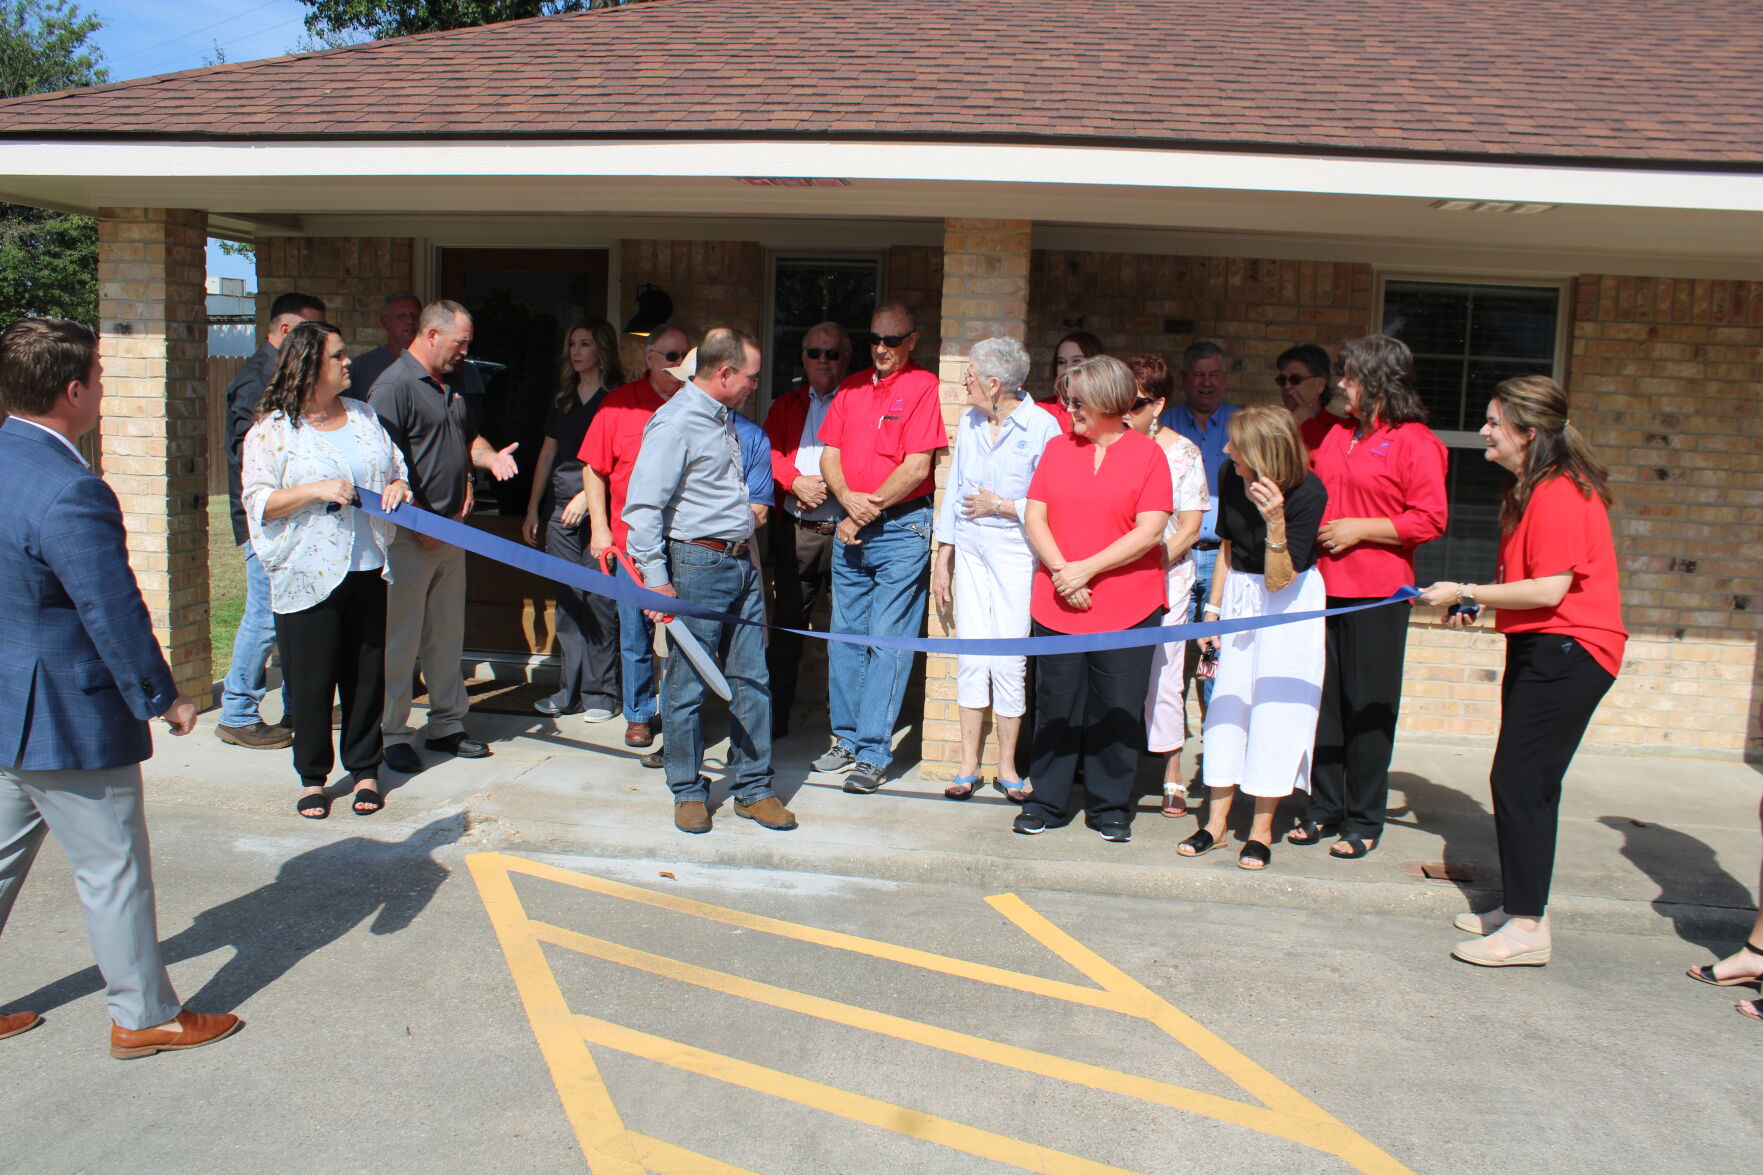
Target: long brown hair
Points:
(1388, 388)
(1556, 448)
(297, 363)
(1086, 342)
(605, 345)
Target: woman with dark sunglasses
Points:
(1301, 373)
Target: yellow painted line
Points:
(978, 1048)
(668, 1159)
(870, 1111)
(605, 1144)
(1307, 1121)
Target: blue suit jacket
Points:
(80, 670)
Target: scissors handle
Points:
(612, 554)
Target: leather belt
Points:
(721, 546)
(1205, 546)
(813, 525)
(906, 507)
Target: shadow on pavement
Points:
(315, 899)
(1464, 826)
(1688, 876)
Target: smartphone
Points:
(1469, 612)
(1208, 666)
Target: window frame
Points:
(879, 257)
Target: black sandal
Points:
(367, 795)
(1308, 832)
(1356, 848)
(1256, 851)
(1705, 973)
(314, 806)
(1199, 844)
(1016, 791)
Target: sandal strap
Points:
(1753, 947)
(1254, 850)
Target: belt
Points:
(811, 524)
(737, 548)
(1206, 546)
(906, 507)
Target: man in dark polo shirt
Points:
(436, 428)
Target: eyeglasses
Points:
(1292, 381)
(1071, 404)
(670, 356)
(822, 352)
(891, 340)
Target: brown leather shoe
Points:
(13, 1023)
(770, 813)
(639, 734)
(194, 1029)
(691, 816)
(259, 736)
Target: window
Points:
(807, 291)
(1466, 338)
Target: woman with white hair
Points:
(983, 560)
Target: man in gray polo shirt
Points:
(690, 530)
(436, 429)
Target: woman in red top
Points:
(1302, 375)
(1386, 496)
(1096, 510)
(1073, 348)
(1561, 610)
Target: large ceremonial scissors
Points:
(676, 628)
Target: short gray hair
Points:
(1002, 359)
(1202, 349)
(443, 316)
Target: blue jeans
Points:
(636, 647)
(247, 678)
(1205, 563)
(879, 589)
(729, 584)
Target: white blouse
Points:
(1005, 466)
(307, 553)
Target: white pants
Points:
(994, 574)
(1166, 720)
(1261, 726)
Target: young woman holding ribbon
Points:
(1556, 598)
(1262, 721)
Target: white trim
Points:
(1133, 167)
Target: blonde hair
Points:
(605, 345)
(1267, 441)
(1104, 384)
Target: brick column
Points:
(153, 319)
(985, 295)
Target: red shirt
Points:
(1087, 509)
(1056, 406)
(875, 424)
(613, 441)
(1564, 530)
(1313, 430)
(1395, 473)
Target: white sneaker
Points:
(597, 715)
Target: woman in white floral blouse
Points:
(326, 559)
(1166, 718)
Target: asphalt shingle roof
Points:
(1576, 80)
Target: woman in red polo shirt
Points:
(1096, 510)
(1557, 600)
(1386, 496)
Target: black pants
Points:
(336, 648)
(801, 570)
(1356, 728)
(1089, 710)
(587, 632)
(1552, 686)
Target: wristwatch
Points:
(1466, 595)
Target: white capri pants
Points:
(1166, 719)
(1261, 725)
(994, 574)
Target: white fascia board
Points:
(924, 162)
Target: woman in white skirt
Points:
(1262, 722)
(1166, 725)
(983, 562)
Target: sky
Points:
(141, 38)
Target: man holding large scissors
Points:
(690, 530)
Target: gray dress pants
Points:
(98, 821)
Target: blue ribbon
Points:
(587, 579)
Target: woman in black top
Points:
(587, 625)
(1262, 721)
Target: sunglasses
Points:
(891, 340)
(670, 356)
(1140, 404)
(1292, 381)
(822, 352)
(1071, 404)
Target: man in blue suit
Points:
(80, 675)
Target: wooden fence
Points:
(220, 373)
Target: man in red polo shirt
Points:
(879, 446)
(608, 453)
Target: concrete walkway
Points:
(1647, 846)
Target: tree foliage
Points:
(400, 18)
(48, 260)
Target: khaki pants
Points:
(425, 619)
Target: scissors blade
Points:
(701, 660)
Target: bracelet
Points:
(1273, 546)
(1209, 609)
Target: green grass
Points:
(226, 584)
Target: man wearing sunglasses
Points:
(879, 447)
(802, 542)
(609, 453)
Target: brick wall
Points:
(354, 276)
(915, 278)
(152, 319)
(712, 283)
